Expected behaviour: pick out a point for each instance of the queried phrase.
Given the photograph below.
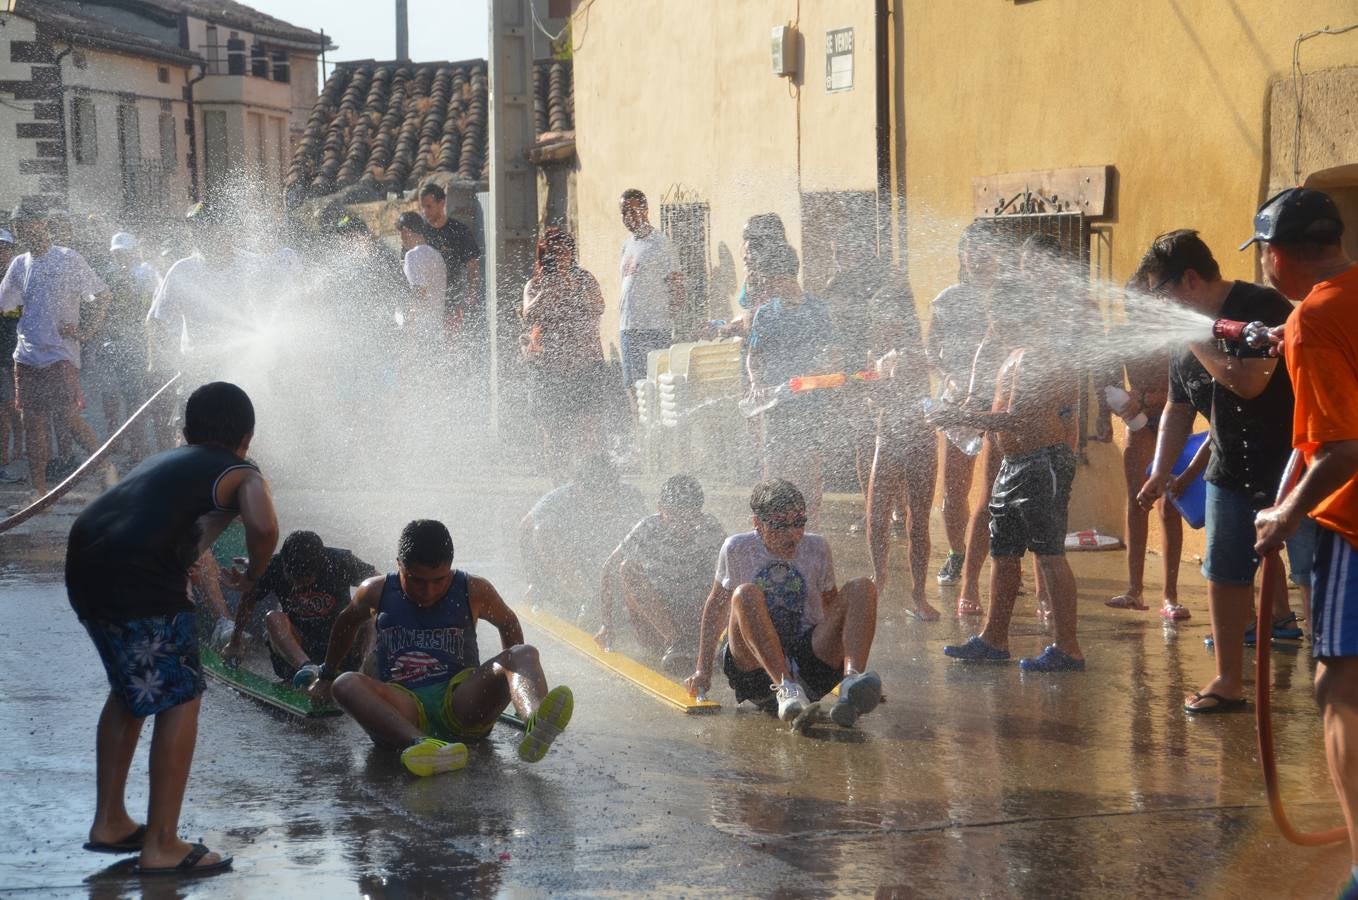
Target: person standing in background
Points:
(652, 289)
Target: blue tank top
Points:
(419, 646)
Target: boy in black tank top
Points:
(127, 567)
(433, 693)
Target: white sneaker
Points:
(791, 700)
(858, 696)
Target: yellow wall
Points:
(680, 95)
(1173, 93)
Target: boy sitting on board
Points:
(659, 570)
(791, 634)
(311, 582)
(432, 693)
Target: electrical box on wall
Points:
(784, 51)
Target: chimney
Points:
(402, 31)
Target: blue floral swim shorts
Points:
(152, 663)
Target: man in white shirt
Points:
(50, 283)
(427, 276)
(203, 305)
(791, 634)
(652, 289)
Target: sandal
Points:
(188, 866)
(1175, 613)
(968, 608)
(1221, 704)
(1126, 601)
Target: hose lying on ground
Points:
(42, 504)
(1263, 629)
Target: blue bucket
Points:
(1192, 503)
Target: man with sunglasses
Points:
(1250, 405)
(791, 634)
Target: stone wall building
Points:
(134, 108)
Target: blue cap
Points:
(1297, 216)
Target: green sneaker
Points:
(543, 726)
(432, 756)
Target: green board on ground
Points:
(263, 688)
(230, 544)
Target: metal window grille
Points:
(1030, 213)
(688, 226)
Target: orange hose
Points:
(1271, 575)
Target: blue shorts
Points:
(1230, 557)
(634, 344)
(1334, 596)
(1301, 552)
(152, 663)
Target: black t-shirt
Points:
(458, 246)
(313, 609)
(1251, 439)
(130, 550)
(9, 339)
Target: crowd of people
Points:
(1000, 375)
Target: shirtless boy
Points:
(1029, 422)
(432, 693)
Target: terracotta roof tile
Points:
(389, 125)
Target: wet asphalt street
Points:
(968, 782)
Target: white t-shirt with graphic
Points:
(645, 301)
(792, 588)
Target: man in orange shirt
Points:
(1299, 236)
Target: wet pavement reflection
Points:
(967, 782)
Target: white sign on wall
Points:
(839, 60)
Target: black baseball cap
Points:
(1297, 216)
(412, 221)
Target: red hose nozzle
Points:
(1254, 335)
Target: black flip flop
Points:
(188, 866)
(1222, 705)
(130, 844)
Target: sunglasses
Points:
(783, 524)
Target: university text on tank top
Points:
(419, 646)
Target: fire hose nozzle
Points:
(1255, 335)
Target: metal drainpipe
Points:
(61, 118)
(193, 133)
(881, 45)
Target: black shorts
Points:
(1029, 502)
(817, 676)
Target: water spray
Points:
(1272, 576)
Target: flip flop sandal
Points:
(130, 844)
(1125, 601)
(188, 866)
(1222, 704)
(1175, 613)
(969, 608)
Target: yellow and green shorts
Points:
(435, 705)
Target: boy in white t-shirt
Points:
(426, 273)
(791, 634)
